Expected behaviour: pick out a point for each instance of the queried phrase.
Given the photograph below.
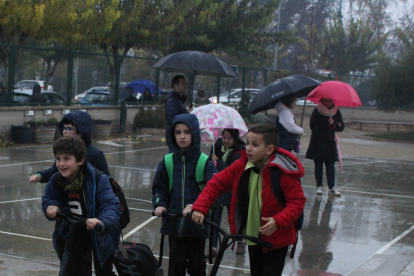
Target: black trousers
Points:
(189, 256)
(74, 252)
(330, 173)
(266, 264)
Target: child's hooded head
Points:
(185, 132)
(261, 142)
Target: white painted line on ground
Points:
(132, 168)
(111, 144)
(27, 259)
(135, 150)
(139, 227)
(137, 209)
(9, 165)
(385, 247)
(354, 164)
(360, 192)
(26, 236)
(388, 245)
(11, 201)
(138, 199)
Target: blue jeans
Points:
(330, 173)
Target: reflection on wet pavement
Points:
(338, 235)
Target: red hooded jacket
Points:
(235, 177)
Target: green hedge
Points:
(150, 117)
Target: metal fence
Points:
(65, 75)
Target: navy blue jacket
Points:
(287, 140)
(184, 188)
(174, 105)
(101, 203)
(83, 123)
(225, 199)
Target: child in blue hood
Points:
(190, 239)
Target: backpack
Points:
(281, 198)
(124, 220)
(199, 170)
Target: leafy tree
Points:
(393, 84)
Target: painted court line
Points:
(385, 247)
(352, 164)
(11, 201)
(138, 199)
(369, 193)
(134, 150)
(141, 169)
(139, 227)
(26, 236)
(137, 209)
(17, 164)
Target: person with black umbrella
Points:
(289, 132)
(175, 105)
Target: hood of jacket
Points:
(285, 161)
(191, 121)
(82, 122)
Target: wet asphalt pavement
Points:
(372, 219)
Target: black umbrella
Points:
(195, 63)
(267, 98)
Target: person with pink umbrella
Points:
(325, 121)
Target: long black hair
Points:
(235, 135)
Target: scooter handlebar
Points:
(98, 227)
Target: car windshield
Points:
(96, 98)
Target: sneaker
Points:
(334, 192)
(241, 248)
(214, 254)
(319, 190)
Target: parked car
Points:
(79, 97)
(97, 97)
(30, 83)
(301, 101)
(52, 98)
(235, 95)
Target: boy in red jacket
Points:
(254, 209)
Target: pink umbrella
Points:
(215, 117)
(342, 93)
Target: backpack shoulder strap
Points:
(201, 165)
(169, 165)
(98, 174)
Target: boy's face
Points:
(257, 151)
(70, 130)
(183, 136)
(67, 165)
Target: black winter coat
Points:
(322, 146)
(225, 199)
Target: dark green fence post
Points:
(218, 89)
(157, 85)
(265, 77)
(10, 85)
(117, 63)
(243, 80)
(122, 124)
(69, 79)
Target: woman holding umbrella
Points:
(325, 121)
(289, 132)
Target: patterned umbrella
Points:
(215, 117)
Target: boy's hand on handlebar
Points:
(198, 217)
(34, 179)
(91, 223)
(158, 211)
(269, 227)
(51, 211)
(187, 209)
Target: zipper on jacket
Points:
(182, 191)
